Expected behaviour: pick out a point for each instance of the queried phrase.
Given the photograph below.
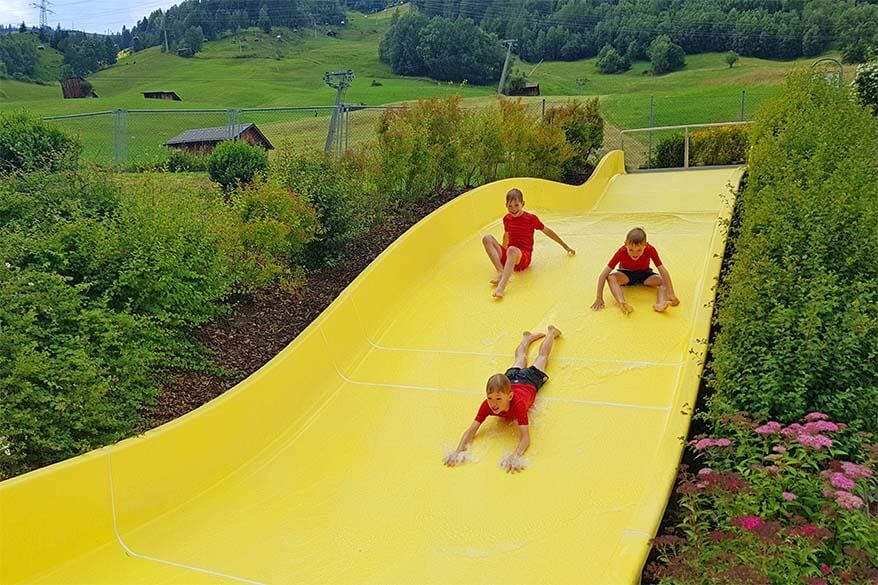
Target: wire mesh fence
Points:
(137, 139)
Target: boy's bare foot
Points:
(498, 293)
(661, 307)
(554, 331)
(531, 337)
(496, 280)
(674, 301)
(626, 308)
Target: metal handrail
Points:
(685, 128)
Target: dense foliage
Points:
(436, 144)
(799, 321)
(27, 145)
(865, 85)
(665, 55)
(101, 288)
(233, 163)
(574, 30)
(774, 504)
(448, 50)
(610, 61)
(721, 145)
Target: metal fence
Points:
(136, 139)
(641, 144)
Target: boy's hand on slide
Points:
(571, 252)
(597, 305)
(513, 463)
(455, 458)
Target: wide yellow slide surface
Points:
(325, 466)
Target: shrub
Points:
(665, 56)
(610, 61)
(28, 144)
(419, 147)
(720, 145)
(799, 319)
(236, 163)
(74, 375)
(276, 226)
(669, 152)
(865, 85)
(583, 130)
(180, 161)
(342, 206)
(774, 504)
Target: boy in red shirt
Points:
(633, 260)
(518, 241)
(510, 395)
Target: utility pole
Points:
(44, 9)
(508, 43)
(340, 81)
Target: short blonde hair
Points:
(514, 195)
(498, 383)
(636, 236)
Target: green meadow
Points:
(258, 70)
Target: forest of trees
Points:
(84, 53)
(575, 29)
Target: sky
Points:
(97, 16)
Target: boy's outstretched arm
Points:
(666, 276)
(456, 456)
(602, 280)
(552, 235)
(514, 462)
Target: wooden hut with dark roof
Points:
(76, 87)
(203, 140)
(162, 95)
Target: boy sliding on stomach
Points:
(633, 260)
(518, 241)
(510, 395)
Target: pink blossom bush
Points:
(774, 504)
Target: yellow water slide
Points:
(325, 466)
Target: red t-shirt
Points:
(626, 262)
(521, 230)
(523, 396)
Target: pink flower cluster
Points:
(747, 522)
(842, 476)
(807, 434)
(702, 444)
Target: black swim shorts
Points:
(532, 375)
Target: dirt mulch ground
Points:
(259, 326)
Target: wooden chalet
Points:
(77, 87)
(528, 89)
(162, 95)
(203, 140)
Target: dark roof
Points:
(173, 94)
(216, 134)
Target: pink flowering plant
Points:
(774, 504)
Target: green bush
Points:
(276, 226)
(668, 153)
(419, 147)
(236, 163)
(73, 375)
(342, 206)
(28, 144)
(610, 61)
(865, 85)
(798, 324)
(721, 145)
(180, 161)
(583, 130)
(665, 55)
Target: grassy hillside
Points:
(260, 70)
